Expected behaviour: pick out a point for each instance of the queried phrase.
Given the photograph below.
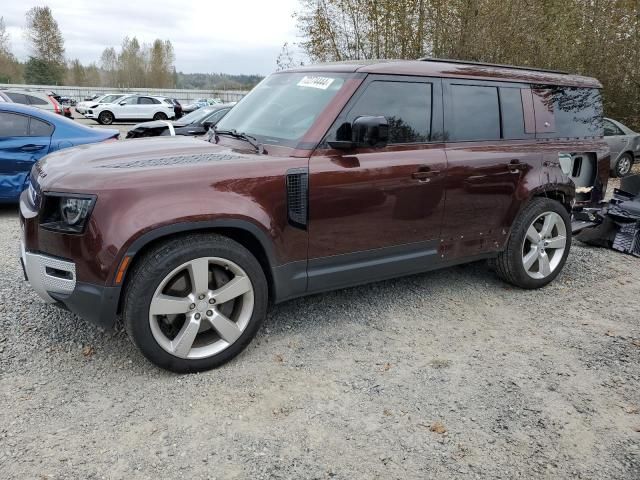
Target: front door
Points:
(23, 141)
(377, 212)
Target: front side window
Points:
(405, 105)
(18, 98)
(216, 116)
(13, 125)
(129, 100)
(475, 113)
(281, 108)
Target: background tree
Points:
(10, 68)
(599, 38)
(109, 64)
(161, 70)
(47, 46)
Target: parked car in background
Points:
(83, 106)
(196, 123)
(35, 99)
(201, 102)
(4, 98)
(28, 134)
(624, 144)
(132, 107)
(321, 178)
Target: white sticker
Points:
(316, 82)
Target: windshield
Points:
(196, 116)
(109, 98)
(281, 108)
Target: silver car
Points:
(624, 144)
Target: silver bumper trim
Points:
(61, 277)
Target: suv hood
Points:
(125, 163)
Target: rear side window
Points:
(38, 128)
(475, 113)
(18, 97)
(13, 125)
(406, 106)
(577, 112)
(611, 130)
(147, 101)
(35, 100)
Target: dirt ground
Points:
(448, 375)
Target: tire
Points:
(214, 331)
(160, 116)
(623, 165)
(105, 118)
(541, 247)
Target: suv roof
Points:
(456, 69)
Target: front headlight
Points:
(66, 212)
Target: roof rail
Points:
(464, 62)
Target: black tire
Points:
(509, 263)
(160, 116)
(155, 265)
(623, 166)
(105, 118)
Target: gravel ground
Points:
(446, 375)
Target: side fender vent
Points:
(298, 197)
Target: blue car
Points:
(28, 134)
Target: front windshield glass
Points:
(109, 98)
(281, 108)
(196, 115)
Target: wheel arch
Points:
(250, 236)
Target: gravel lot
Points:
(445, 375)
(122, 127)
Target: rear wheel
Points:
(105, 118)
(160, 116)
(195, 302)
(538, 246)
(623, 165)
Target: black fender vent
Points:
(298, 197)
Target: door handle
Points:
(424, 175)
(514, 166)
(31, 148)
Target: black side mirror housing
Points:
(207, 125)
(364, 132)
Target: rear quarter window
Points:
(577, 112)
(38, 128)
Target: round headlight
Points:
(74, 210)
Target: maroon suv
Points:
(321, 178)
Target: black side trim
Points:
(95, 303)
(298, 197)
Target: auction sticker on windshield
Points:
(316, 82)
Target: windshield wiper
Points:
(242, 136)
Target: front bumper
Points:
(54, 280)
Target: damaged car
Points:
(321, 178)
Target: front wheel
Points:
(195, 302)
(538, 246)
(105, 118)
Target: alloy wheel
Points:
(201, 308)
(624, 166)
(544, 244)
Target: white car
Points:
(132, 107)
(82, 107)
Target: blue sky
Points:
(237, 36)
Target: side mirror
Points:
(365, 132)
(123, 103)
(207, 125)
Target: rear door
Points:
(146, 107)
(615, 138)
(23, 141)
(489, 150)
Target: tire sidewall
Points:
(146, 280)
(516, 242)
(160, 116)
(102, 116)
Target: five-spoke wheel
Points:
(543, 246)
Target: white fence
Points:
(183, 96)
